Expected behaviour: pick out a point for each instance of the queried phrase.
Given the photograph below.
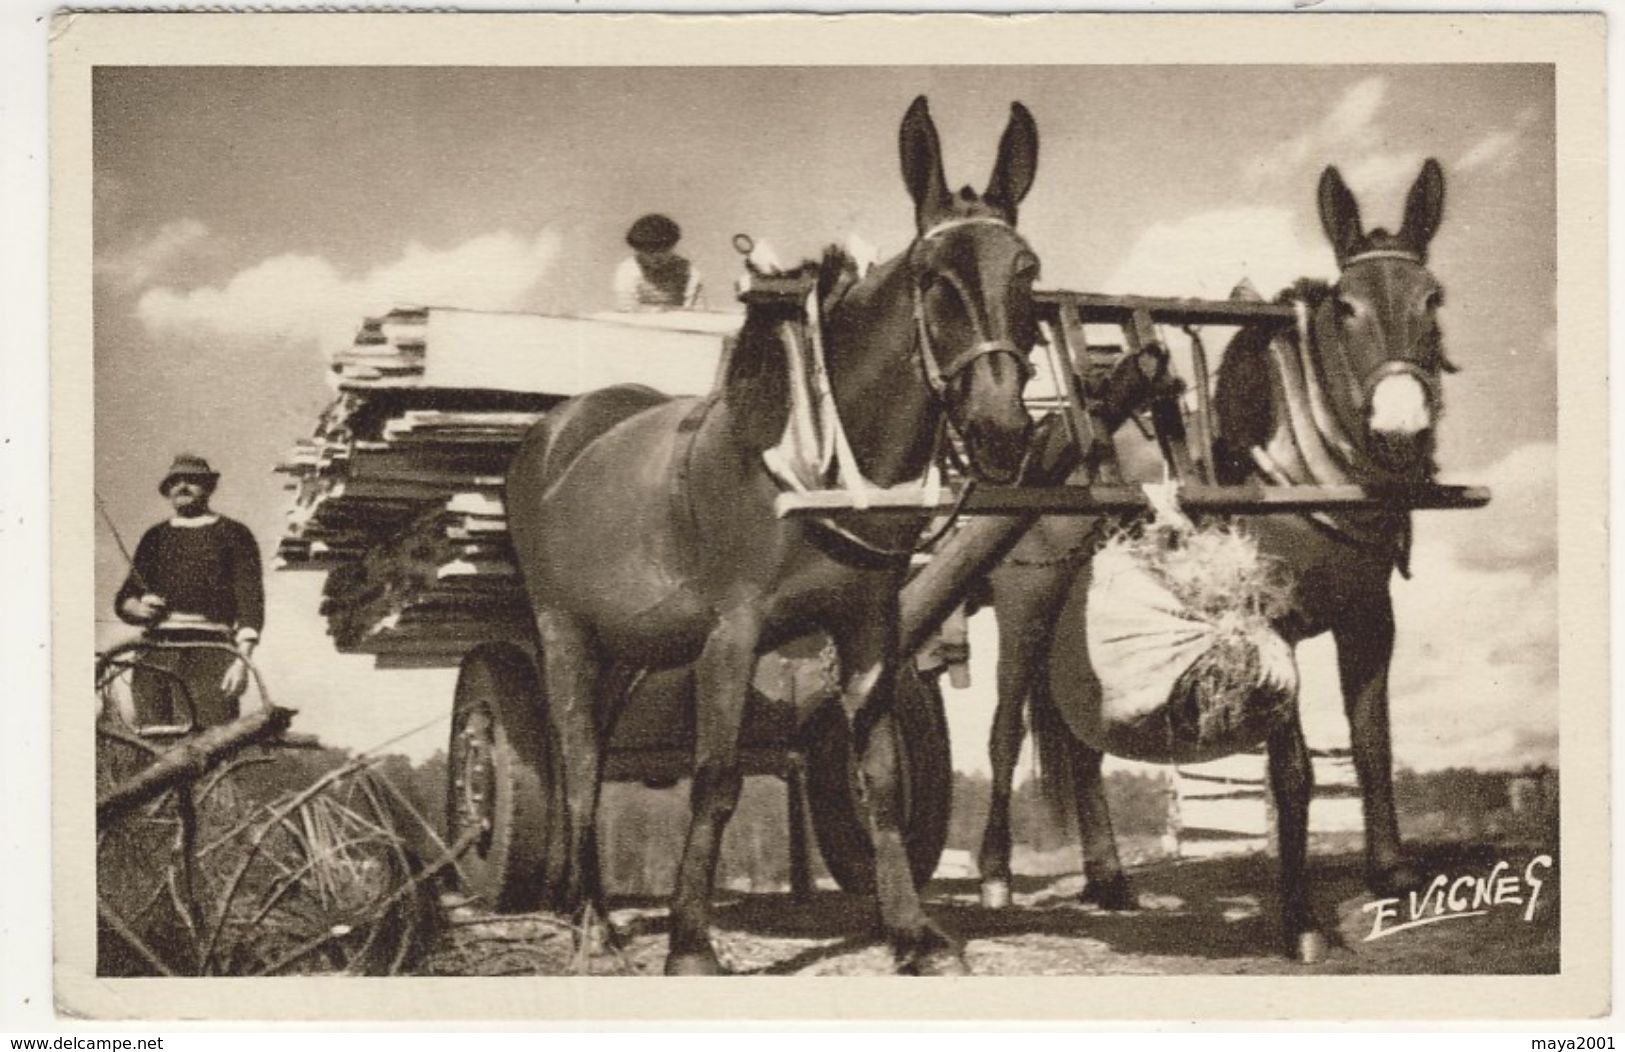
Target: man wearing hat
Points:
(195, 578)
(655, 277)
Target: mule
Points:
(1353, 395)
(646, 531)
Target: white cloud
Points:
(1354, 117)
(1518, 530)
(1350, 130)
(1380, 180)
(1206, 254)
(1493, 151)
(300, 298)
(133, 267)
(1475, 669)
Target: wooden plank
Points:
(1100, 308)
(1128, 499)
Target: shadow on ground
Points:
(1197, 917)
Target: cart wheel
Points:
(927, 784)
(504, 782)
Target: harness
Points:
(1322, 451)
(815, 441)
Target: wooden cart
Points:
(505, 767)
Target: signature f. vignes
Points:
(1470, 895)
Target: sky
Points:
(247, 219)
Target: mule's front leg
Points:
(1004, 746)
(1292, 780)
(919, 947)
(721, 687)
(1365, 646)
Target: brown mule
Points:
(1353, 395)
(647, 536)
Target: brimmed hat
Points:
(188, 466)
(654, 233)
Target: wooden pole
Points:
(191, 760)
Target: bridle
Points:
(939, 376)
(1427, 378)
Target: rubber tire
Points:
(515, 866)
(927, 781)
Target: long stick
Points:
(191, 760)
(129, 560)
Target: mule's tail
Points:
(1052, 743)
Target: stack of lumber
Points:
(397, 494)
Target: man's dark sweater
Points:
(212, 570)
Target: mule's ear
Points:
(1017, 164)
(922, 162)
(1339, 214)
(1424, 208)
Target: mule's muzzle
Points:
(1400, 423)
(997, 452)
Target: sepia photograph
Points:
(636, 511)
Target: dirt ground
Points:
(1197, 917)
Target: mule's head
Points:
(1381, 319)
(973, 283)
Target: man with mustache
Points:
(195, 578)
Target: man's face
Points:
(189, 496)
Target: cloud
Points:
(1353, 136)
(133, 267)
(1381, 178)
(1493, 151)
(1518, 530)
(1474, 678)
(1350, 130)
(1208, 253)
(306, 299)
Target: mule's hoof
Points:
(1310, 947)
(605, 937)
(1113, 894)
(705, 963)
(995, 894)
(938, 962)
(1392, 882)
(928, 951)
(595, 934)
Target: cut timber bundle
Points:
(397, 493)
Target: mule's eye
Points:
(1345, 310)
(1433, 301)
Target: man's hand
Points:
(235, 680)
(144, 609)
